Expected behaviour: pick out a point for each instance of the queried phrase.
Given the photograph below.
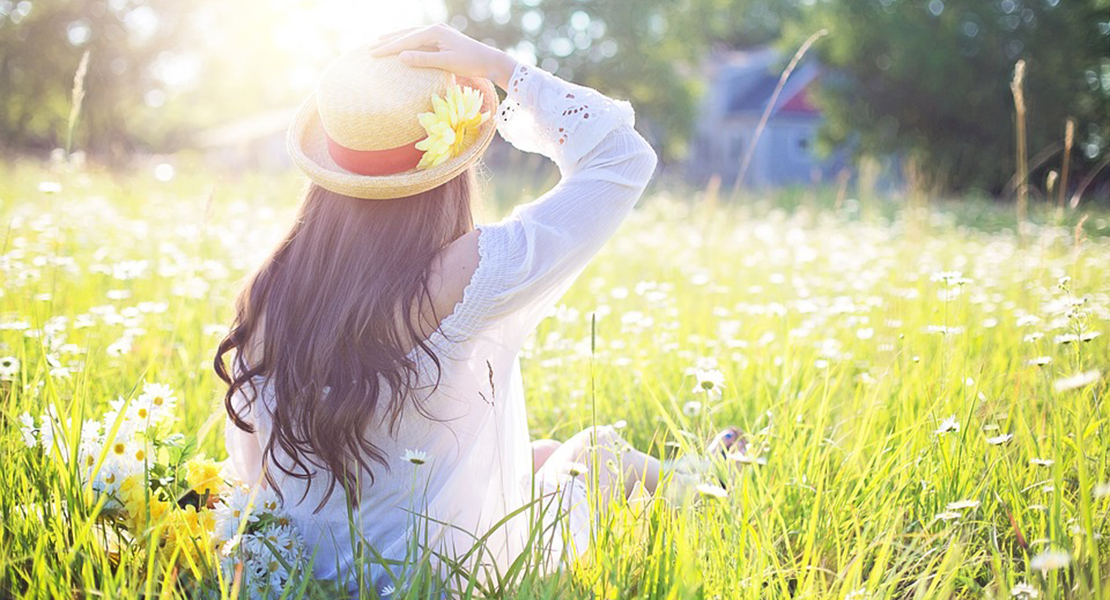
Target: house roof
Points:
(247, 129)
(747, 79)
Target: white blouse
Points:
(479, 468)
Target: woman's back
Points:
(465, 408)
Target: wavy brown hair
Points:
(334, 308)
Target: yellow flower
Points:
(204, 474)
(135, 497)
(189, 533)
(452, 127)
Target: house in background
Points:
(740, 85)
(253, 143)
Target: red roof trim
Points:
(800, 102)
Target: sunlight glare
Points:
(344, 24)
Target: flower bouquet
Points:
(152, 493)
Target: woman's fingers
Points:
(427, 36)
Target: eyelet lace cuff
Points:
(556, 118)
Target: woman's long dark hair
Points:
(334, 305)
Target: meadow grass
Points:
(904, 379)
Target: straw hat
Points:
(356, 134)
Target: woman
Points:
(376, 372)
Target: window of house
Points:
(801, 142)
(738, 147)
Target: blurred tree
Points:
(741, 23)
(131, 61)
(648, 50)
(159, 70)
(930, 78)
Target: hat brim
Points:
(308, 147)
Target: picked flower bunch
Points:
(152, 489)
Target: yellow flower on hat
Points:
(452, 126)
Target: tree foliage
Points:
(159, 70)
(923, 78)
(649, 51)
(41, 44)
(931, 79)
(625, 48)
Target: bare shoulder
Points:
(448, 277)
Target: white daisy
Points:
(87, 456)
(1000, 440)
(1050, 560)
(709, 381)
(1028, 320)
(712, 491)
(28, 430)
(1065, 338)
(231, 511)
(288, 541)
(1080, 380)
(160, 399)
(574, 469)
(267, 501)
(691, 408)
(416, 457)
(948, 425)
(9, 368)
(90, 431)
(127, 426)
(109, 476)
(51, 430)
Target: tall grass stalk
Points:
(77, 99)
(1017, 88)
(746, 162)
(1069, 139)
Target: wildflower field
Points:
(924, 394)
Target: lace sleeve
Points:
(529, 259)
(558, 119)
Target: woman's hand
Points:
(441, 47)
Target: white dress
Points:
(479, 469)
